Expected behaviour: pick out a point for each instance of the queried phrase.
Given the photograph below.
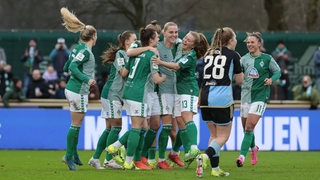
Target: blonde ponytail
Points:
(71, 22)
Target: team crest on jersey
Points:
(253, 73)
(261, 63)
(155, 66)
(184, 60)
(80, 56)
(120, 61)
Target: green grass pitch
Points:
(32, 164)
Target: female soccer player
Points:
(81, 64)
(260, 70)
(141, 79)
(169, 49)
(186, 99)
(216, 101)
(111, 97)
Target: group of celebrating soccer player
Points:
(155, 81)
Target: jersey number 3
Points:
(217, 68)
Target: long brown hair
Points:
(109, 55)
(201, 44)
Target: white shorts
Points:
(185, 103)
(153, 104)
(77, 102)
(135, 108)
(167, 102)
(256, 108)
(111, 109)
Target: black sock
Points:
(214, 161)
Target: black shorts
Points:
(219, 116)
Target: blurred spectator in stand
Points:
(31, 59)
(316, 60)
(283, 57)
(59, 56)
(37, 88)
(306, 91)
(14, 92)
(3, 56)
(51, 77)
(94, 92)
(60, 87)
(5, 77)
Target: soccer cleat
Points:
(69, 163)
(192, 154)
(112, 164)
(254, 157)
(128, 166)
(95, 163)
(187, 162)
(239, 161)
(144, 160)
(219, 173)
(77, 160)
(122, 153)
(118, 159)
(141, 166)
(152, 163)
(112, 150)
(176, 159)
(164, 165)
(199, 170)
(190, 157)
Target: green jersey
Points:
(113, 89)
(186, 75)
(81, 65)
(256, 70)
(168, 55)
(139, 82)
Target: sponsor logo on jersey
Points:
(211, 83)
(184, 60)
(80, 56)
(120, 61)
(155, 66)
(253, 73)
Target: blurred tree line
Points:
(201, 15)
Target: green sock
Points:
(148, 140)
(113, 137)
(124, 138)
(163, 140)
(72, 137)
(246, 142)
(101, 144)
(76, 140)
(177, 143)
(152, 153)
(137, 154)
(185, 140)
(133, 141)
(253, 144)
(192, 132)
